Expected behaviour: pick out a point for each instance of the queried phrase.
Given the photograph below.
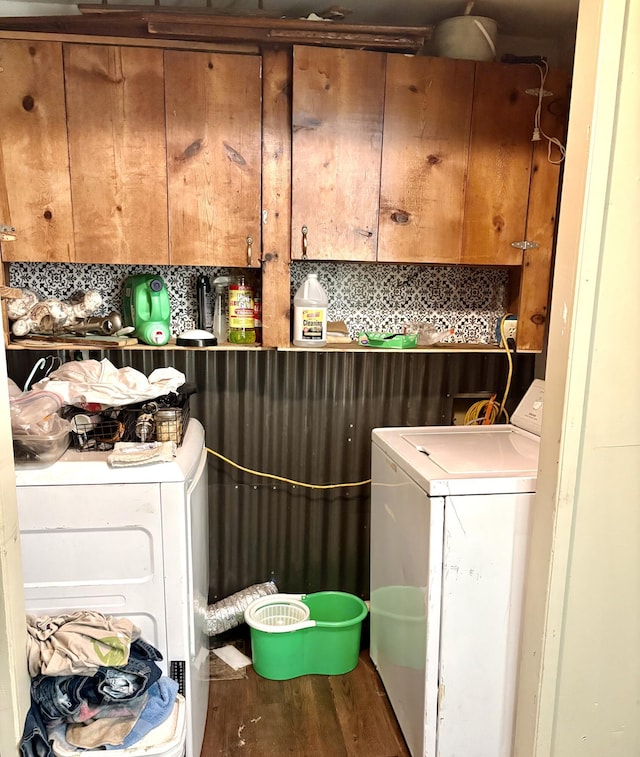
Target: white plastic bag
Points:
(35, 413)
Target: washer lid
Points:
(503, 450)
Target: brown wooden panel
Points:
(276, 198)
(213, 157)
(115, 112)
(427, 121)
(338, 98)
(533, 309)
(35, 196)
(499, 163)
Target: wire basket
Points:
(162, 419)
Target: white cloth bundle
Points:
(99, 383)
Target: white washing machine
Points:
(449, 530)
(129, 542)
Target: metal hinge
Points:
(525, 245)
(7, 233)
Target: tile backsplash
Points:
(367, 297)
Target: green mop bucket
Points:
(326, 642)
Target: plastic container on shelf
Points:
(147, 308)
(220, 325)
(39, 450)
(466, 38)
(241, 323)
(40, 434)
(310, 314)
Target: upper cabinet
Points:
(35, 188)
(145, 153)
(124, 154)
(214, 130)
(115, 122)
(427, 122)
(411, 159)
(500, 163)
(337, 121)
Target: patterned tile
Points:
(384, 297)
(367, 297)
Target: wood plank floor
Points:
(328, 716)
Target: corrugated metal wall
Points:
(305, 416)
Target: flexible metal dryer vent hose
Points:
(229, 612)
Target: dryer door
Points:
(98, 548)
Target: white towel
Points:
(126, 454)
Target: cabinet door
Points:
(500, 159)
(338, 100)
(115, 117)
(427, 120)
(213, 116)
(35, 194)
(535, 276)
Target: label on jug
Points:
(310, 324)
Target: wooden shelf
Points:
(169, 24)
(38, 344)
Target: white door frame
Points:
(574, 696)
(14, 677)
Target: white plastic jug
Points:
(310, 314)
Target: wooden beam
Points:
(276, 198)
(197, 25)
(288, 31)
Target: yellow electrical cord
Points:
(479, 410)
(282, 478)
(474, 414)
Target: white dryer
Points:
(129, 542)
(449, 529)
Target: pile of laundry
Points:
(95, 684)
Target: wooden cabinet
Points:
(124, 154)
(115, 123)
(427, 121)
(500, 164)
(337, 118)
(401, 159)
(35, 188)
(143, 154)
(213, 116)
(411, 159)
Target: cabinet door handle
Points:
(305, 242)
(249, 243)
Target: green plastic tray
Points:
(388, 341)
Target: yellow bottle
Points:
(241, 324)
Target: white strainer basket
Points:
(278, 613)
